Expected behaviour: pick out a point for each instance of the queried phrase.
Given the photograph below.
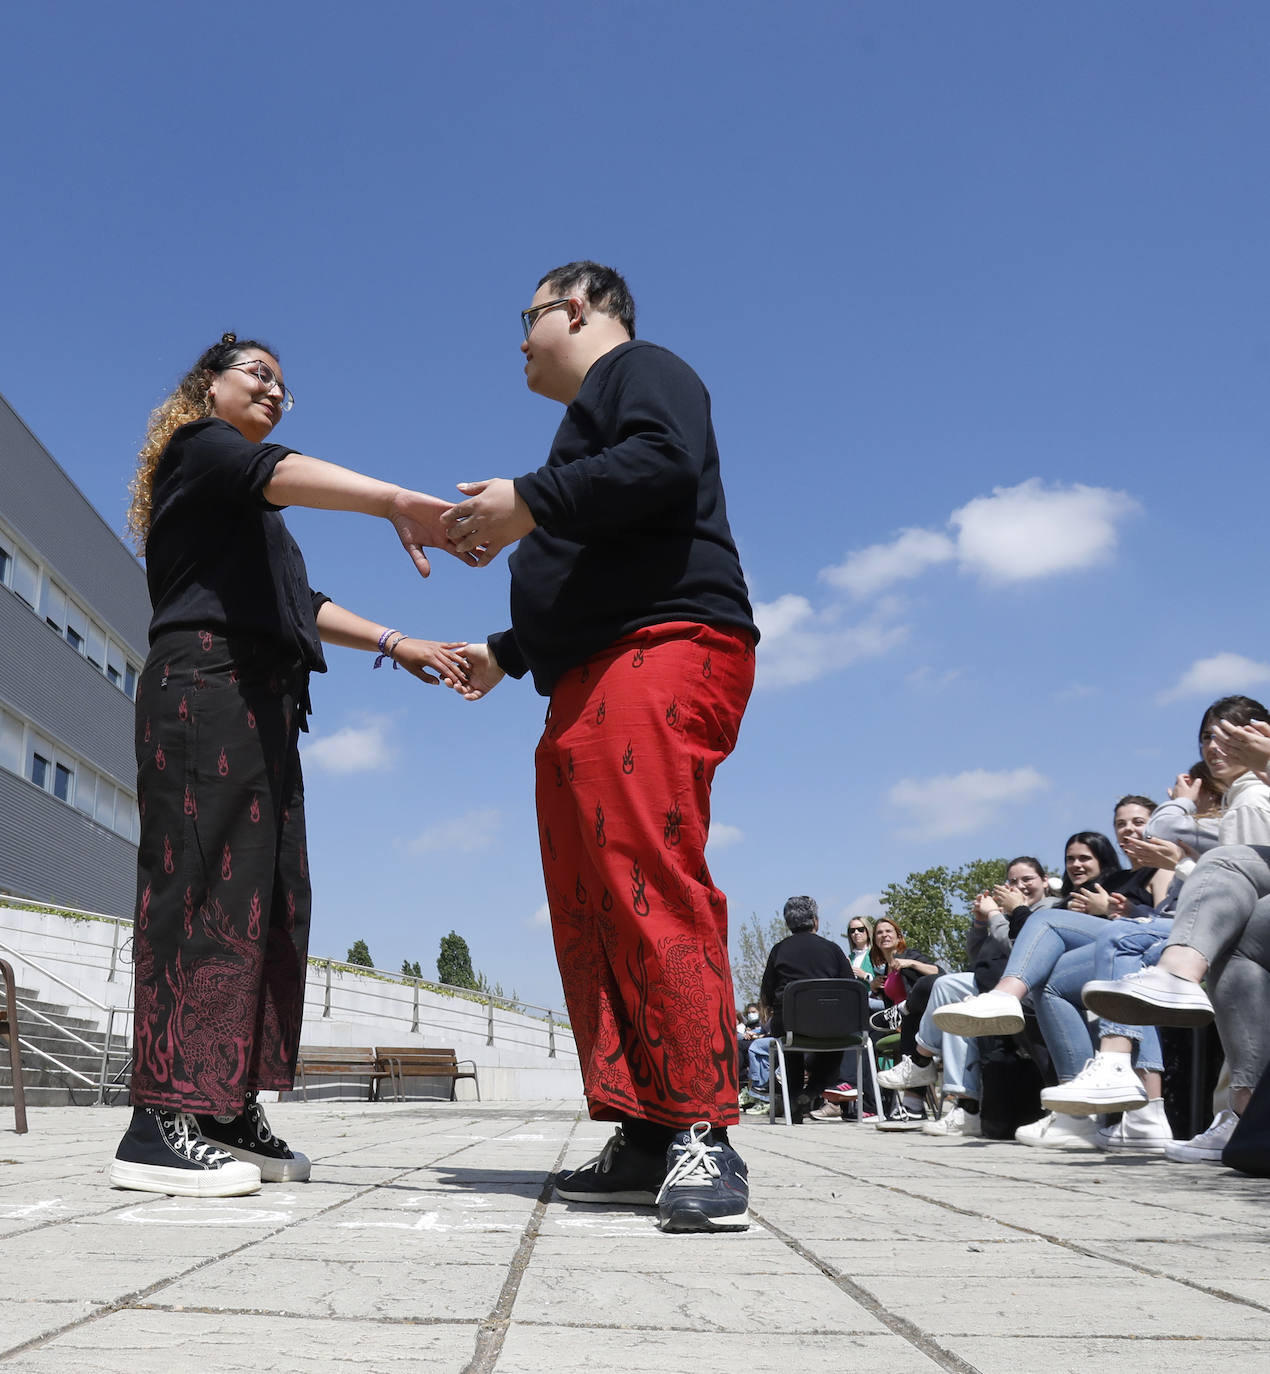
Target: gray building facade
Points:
(73, 618)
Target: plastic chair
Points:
(9, 1024)
(821, 1014)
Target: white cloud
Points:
(958, 804)
(462, 835)
(1015, 535)
(880, 565)
(1218, 676)
(866, 904)
(1028, 531)
(723, 835)
(801, 644)
(541, 919)
(354, 749)
(927, 679)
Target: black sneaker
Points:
(706, 1187)
(248, 1137)
(620, 1173)
(163, 1152)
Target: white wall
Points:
(364, 1008)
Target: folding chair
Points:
(9, 1024)
(821, 1014)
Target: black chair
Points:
(818, 1015)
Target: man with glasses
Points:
(629, 609)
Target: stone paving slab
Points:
(429, 1238)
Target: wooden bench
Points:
(411, 1061)
(341, 1062)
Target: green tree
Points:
(752, 942)
(359, 954)
(454, 963)
(932, 907)
(409, 970)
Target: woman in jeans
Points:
(1221, 933)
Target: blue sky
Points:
(980, 293)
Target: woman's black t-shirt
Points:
(218, 555)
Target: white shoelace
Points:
(187, 1140)
(603, 1162)
(697, 1162)
(260, 1124)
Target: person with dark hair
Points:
(803, 954)
(1092, 872)
(222, 917)
(630, 611)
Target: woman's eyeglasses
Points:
(267, 378)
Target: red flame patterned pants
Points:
(222, 923)
(623, 769)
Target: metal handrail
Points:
(48, 973)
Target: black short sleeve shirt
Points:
(218, 555)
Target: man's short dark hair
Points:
(801, 913)
(604, 288)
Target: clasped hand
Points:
(493, 516)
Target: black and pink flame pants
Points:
(624, 768)
(222, 921)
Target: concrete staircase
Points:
(45, 1084)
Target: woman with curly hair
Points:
(223, 898)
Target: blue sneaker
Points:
(706, 1188)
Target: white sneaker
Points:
(1149, 997)
(1142, 1132)
(1206, 1147)
(907, 1074)
(1060, 1133)
(957, 1122)
(990, 1013)
(1103, 1085)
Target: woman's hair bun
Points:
(229, 338)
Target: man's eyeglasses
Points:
(267, 377)
(529, 318)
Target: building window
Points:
(63, 782)
(75, 640)
(54, 606)
(130, 681)
(10, 742)
(39, 769)
(6, 562)
(26, 579)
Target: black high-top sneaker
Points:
(247, 1137)
(622, 1174)
(163, 1152)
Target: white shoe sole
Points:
(1132, 1147)
(955, 1022)
(688, 1221)
(294, 1170)
(230, 1180)
(1192, 1156)
(1114, 1002)
(1092, 1104)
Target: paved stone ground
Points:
(429, 1240)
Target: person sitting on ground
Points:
(1220, 933)
(988, 944)
(802, 954)
(1092, 873)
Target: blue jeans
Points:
(1044, 957)
(1121, 949)
(760, 1063)
(960, 1056)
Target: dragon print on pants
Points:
(624, 769)
(221, 932)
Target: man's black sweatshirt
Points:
(632, 529)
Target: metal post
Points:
(551, 1035)
(114, 954)
(414, 1025)
(326, 1008)
(490, 999)
(105, 1056)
